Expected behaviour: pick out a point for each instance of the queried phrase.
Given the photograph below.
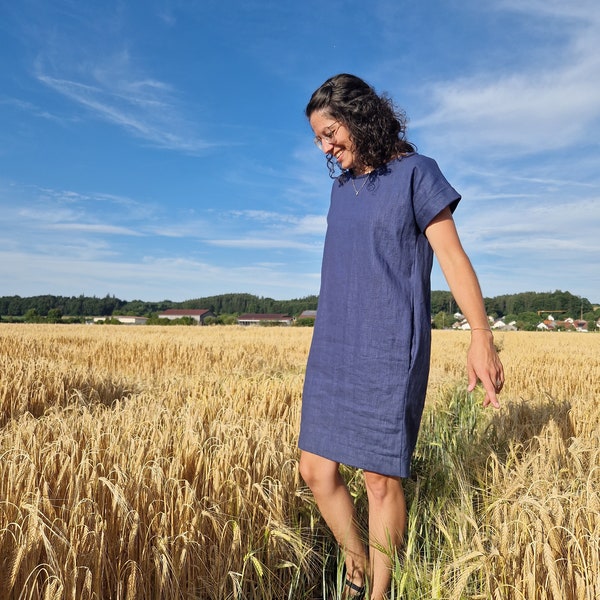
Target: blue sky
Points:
(158, 149)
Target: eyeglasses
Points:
(329, 138)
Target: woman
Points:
(367, 371)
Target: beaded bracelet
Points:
(481, 329)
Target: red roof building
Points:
(265, 319)
(198, 314)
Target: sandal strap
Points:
(359, 589)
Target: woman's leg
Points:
(387, 523)
(335, 504)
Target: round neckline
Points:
(396, 158)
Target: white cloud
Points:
(111, 90)
(188, 228)
(150, 279)
(294, 224)
(94, 228)
(583, 10)
(46, 211)
(72, 243)
(537, 108)
(263, 216)
(534, 246)
(264, 243)
(312, 224)
(519, 113)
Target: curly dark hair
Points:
(377, 127)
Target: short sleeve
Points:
(431, 192)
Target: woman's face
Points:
(333, 138)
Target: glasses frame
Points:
(328, 137)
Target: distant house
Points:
(264, 319)
(548, 324)
(463, 324)
(125, 319)
(500, 325)
(308, 314)
(569, 324)
(198, 314)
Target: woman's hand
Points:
(483, 364)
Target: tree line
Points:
(526, 309)
(509, 305)
(86, 306)
(515, 304)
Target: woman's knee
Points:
(306, 468)
(316, 470)
(379, 487)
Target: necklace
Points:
(359, 190)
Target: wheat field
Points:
(161, 463)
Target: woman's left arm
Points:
(483, 362)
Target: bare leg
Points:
(387, 523)
(335, 504)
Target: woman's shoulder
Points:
(415, 163)
(414, 159)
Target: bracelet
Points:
(481, 329)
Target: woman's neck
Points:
(361, 170)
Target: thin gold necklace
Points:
(359, 190)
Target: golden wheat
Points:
(541, 520)
(160, 462)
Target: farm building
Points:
(308, 314)
(125, 319)
(198, 314)
(264, 319)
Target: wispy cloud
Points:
(85, 58)
(94, 228)
(520, 114)
(152, 278)
(537, 107)
(294, 224)
(35, 111)
(584, 10)
(143, 108)
(264, 244)
(76, 242)
(522, 246)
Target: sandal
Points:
(358, 589)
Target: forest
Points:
(86, 306)
(527, 305)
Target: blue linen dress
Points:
(368, 365)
